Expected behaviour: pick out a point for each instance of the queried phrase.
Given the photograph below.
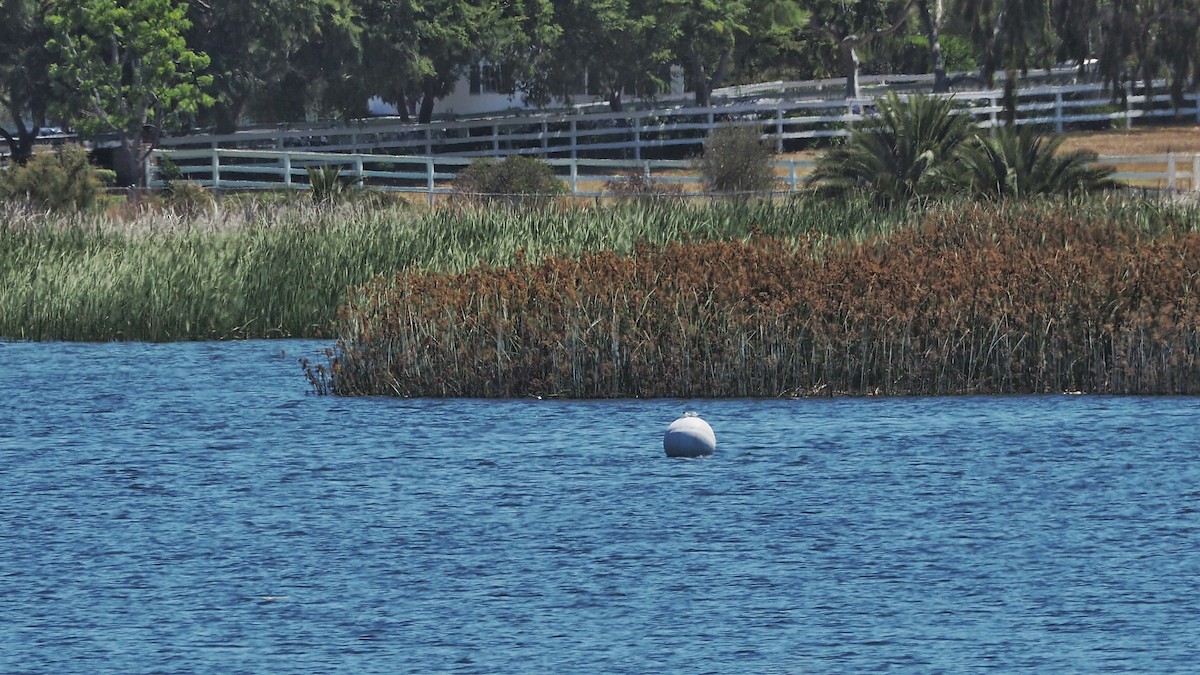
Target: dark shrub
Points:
(58, 180)
(737, 161)
(515, 180)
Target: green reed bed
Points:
(1097, 296)
(269, 269)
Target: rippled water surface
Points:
(190, 508)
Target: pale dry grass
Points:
(1138, 141)
(1182, 140)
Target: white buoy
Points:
(689, 436)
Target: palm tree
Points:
(909, 149)
(1017, 162)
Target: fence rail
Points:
(223, 169)
(679, 131)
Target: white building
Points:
(483, 91)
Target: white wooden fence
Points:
(675, 132)
(222, 169)
(424, 158)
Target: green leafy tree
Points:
(773, 48)
(1013, 35)
(126, 70)
(437, 42)
(523, 44)
(449, 39)
(1180, 27)
(852, 25)
(1146, 39)
(708, 34)
(24, 73)
(392, 66)
(616, 47)
(280, 60)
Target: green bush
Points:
(326, 183)
(58, 180)
(1018, 162)
(515, 180)
(736, 160)
(187, 197)
(909, 149)
(926, 148)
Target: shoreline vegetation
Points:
(797, 297)
(271, 266)
(1051, 295)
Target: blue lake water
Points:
(192, 508)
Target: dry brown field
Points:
(1137, 141)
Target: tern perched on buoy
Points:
(689, 436)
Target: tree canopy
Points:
(129, 67)
(124, 68)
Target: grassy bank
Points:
(1052, 296)
(281, 268)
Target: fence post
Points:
(545, 141)
(495, 140)
(779, 130)
(1196, 171)
(429, 177)
(287, 170)
(792, 173)
(358, 170)
(637, 136)
(574, 138)
(147, 170)
(992, 112)
(1128, 103)
(216, 169)
(574, 171)
(1171, 171)
(1058, 112)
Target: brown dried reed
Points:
(975, 299)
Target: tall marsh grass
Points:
(255, 268)
(1048, 296)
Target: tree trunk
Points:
(1010, 97)
(428, 98)
(614, 100)
(850, 63)
(402, 106)
(699, 81)
(227, 116)
(20, 147)
(933, 33)
(127, 161)
(721, 72)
